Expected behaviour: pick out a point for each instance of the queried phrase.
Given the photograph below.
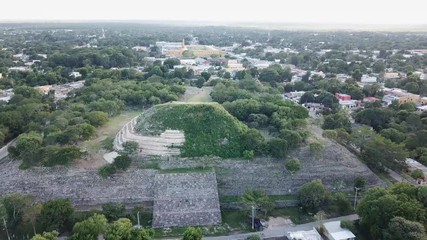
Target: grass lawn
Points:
(198, 94)
(294, 213)
(236, 219)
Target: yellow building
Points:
(409, 97)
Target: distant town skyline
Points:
(301, 11)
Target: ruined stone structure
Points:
(164, 145)
(186, 199)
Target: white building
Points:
(304, 235)
(18, 69)
(75, 74)
(1, 75)
(368, 79)
(334, 231)
(348, 104)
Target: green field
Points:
(209, 129)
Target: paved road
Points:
(282, 231)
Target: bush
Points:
(107, 170)
(122, 162)
(417, 174)
(293, 165)
(113, 211)
(249, 155)
(349, 225)
(316, 149)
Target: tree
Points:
(278, 147)
(259, 199)
(359, 182)
(46, 236)
(342, 204)
(192, 233)
(97, 118)
(401, 229)
(199, 82)
(293, 165)
(171, 62)
(269, 75)
(119, 230)
(16, 205)
(381, 153)
(379, 206)
(3, 217)
(205, 75)
(122, 162)
(130, 147)
(31, 214)
(90, 228)
(338, 120)
(55, 214)
(27, 149)
(142, 234)
(112, 211)
(312, 195)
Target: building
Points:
(19, 69)
(334, 231)
(348, 104)
(44, 89)
(234, 66)
(370, 99)
(368, 79)
(172, 49)
(1, 75)
(75, 74)
(422, 108)
(304, 235)
(391, 76)
(343, 97)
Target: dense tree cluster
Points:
(397, 211)
(51, 129)
(399, 124)
(261, 107)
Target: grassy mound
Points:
(209, 129)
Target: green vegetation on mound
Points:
(209, 129)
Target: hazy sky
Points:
(298, 11)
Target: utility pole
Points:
(253, 217)
(137, 215)
(355, 197)
(5, 227)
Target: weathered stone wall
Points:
(186, 199)
(82, 186)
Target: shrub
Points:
(107, 170)
(418, 173)
(316, 149)
(122, 162)
(248, 154)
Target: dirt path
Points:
(95, 157)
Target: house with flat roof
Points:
(304, 235)
(334, 231)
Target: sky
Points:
(295, 11)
